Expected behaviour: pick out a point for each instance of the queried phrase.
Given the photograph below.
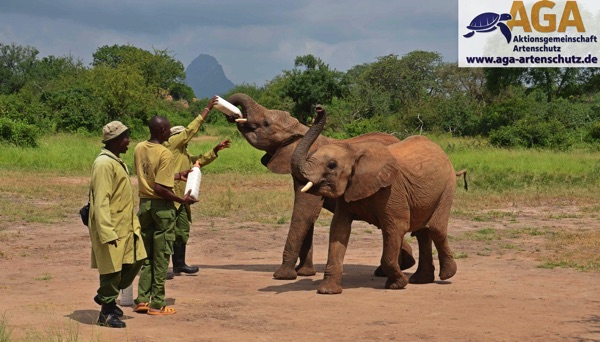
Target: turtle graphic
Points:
(487, 22)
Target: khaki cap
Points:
(112, 130)
(177, 130)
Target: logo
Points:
(529, 33)
(488, 22)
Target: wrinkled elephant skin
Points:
(278, 133)
(405, 187)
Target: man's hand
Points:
(187, 199)
(212, 102)
(210, 106)
(183, 174)
(222, 145)
(113, 242)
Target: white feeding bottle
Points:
(193, 181)
(227, 108)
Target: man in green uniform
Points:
(154, 167)
(117, 249)
(177, 144)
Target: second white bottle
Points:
(193, 181)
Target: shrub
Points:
(18, 133)
(594, 133)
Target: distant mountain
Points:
(206, 77)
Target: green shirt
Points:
(153, 165)
(177, 144)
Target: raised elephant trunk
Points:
(249, 106)
(301, 152)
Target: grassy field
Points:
(49, 184)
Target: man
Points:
(177, 144)
(117, 249)
(154, 167)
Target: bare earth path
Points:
(47, 289)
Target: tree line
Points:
(403, 95)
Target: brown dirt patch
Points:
(498, 294)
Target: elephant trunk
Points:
(249, 106)
(301, 152)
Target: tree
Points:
(52, 68)
(499, 79)
(15, 64)
(159, 69)
(311, 82)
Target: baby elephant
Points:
(403, 187)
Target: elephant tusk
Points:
(241, 120)
(307, 186)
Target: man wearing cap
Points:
(117, 247)
(177, 144)
(155, 170)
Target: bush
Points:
(74, 109)
(532, 134)
(18, 133)
(594, 133)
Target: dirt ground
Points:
(497, 295)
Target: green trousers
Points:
(112, 283)
(157, 218)
(182, 225)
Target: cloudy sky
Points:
(254, 40)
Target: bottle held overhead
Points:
(227, 108)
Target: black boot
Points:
(117, 311)
(179, 265)
(108, 318)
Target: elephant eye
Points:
(332, 165)
(266, 123)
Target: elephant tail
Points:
(463, 173)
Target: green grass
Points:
(5, 329)
(49, 184)
(73, 155)
(45, 277)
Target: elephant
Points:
(403, 187)
(277, 133)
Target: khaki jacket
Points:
(112, 216)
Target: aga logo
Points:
(488, 22)
(540, 16)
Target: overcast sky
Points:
(254, 40)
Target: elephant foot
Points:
(396, 284)
(406, 258)
(306, 270)
(285, 273)
(329, 286)
(379, 272)
(422, 277)
(448, 269)
(407, 261)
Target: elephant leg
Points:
(438, 229)
(447, 263)
(389, 259)
(339, 234)
(425, 270)
(406, 260)
(306, 268)
(306, 211)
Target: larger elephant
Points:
(400, 188)
(278, 133)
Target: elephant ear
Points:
(281, 159)
(374, 168)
